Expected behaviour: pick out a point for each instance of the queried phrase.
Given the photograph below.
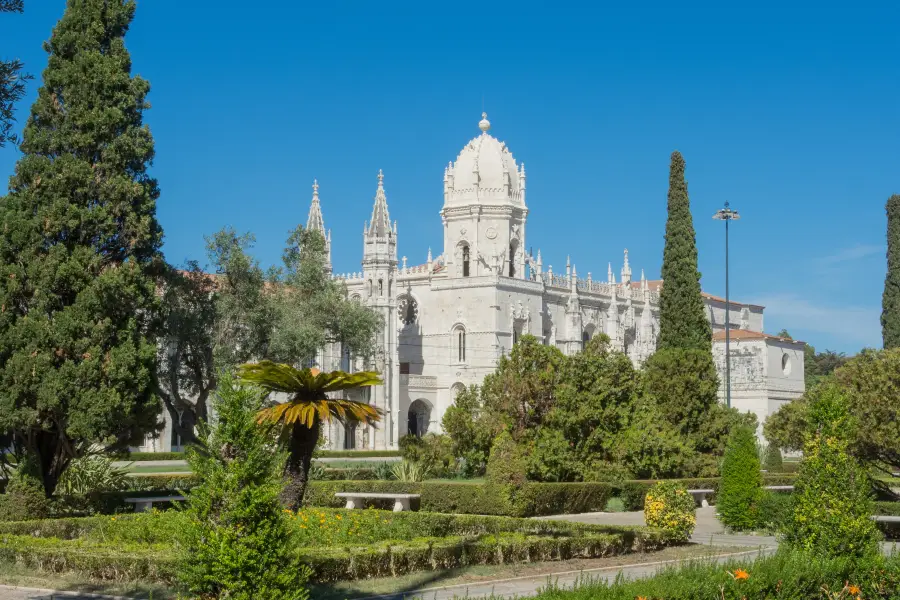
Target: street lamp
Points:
(726, 214)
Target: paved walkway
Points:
(182, 463)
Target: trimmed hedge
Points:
(114, 554)
(143, 456)
(356, 454)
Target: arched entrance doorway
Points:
(418, 418)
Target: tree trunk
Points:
(301, 446)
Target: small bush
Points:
(741, 485)
(92, 473)
(237, 542)
(507, 464)
(433, 451)
(614, 505)
(773, 511)
(409, 472)
(383, 471)
(772, 461)
(832, 496)
(669, 507)
(24, 499)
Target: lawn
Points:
(337, 544)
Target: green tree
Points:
(786, 428)
(237, 542)
(312, 310)
(307, 407)
(832, 492)
(79, 252)
(12, 83)
(772, 460)
(685, 386)
(741, 487)
(890, 302)
(682, 315)
(650, 447)
(470, 429)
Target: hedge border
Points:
(380, 560)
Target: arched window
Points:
(390, 282)
(418, 418)
(345, 358)
(512, 260)
(465, 261)
(381, 287)
(458, 343)
(585, 338)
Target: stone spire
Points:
(626, 269)
(316, 222)
(610, 278)
(380, 226)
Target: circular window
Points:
(785, 364)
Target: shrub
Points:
(832, 495)
(92, 473)
(409, 472)
(24, 499)
(614, 505)
(383, 471)
(772, 461)
(434, 452)
(773, 511)
(669, 507)
(741, 485)
(238, 542)
(507, 463)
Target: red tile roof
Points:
(656, 284)
(744, 334)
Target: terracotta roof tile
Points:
(745, 334)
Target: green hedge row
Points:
(531, 499)
(142, 456)
(357, 453)
(364, 474)
(131, 562)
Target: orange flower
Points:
(854, 590)
(740, 574)
(640, 598)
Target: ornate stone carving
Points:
(491, 233)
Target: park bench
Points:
(886, 519)
(779, 488)
(700, 496)
(146, 503)
(355, 499)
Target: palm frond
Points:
(279, 377)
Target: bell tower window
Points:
(465, 261)
(512, 260)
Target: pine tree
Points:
(12, 83)
(79, 251)
(890, 302)
(741, 487)
(682, 318)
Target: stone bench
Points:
(886, 519)
(779, 488)
(355, 499)
(146, 503)
(700, 496)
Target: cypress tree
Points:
(79, 251)
(890, 301)
(682, 318)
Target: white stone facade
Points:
(447, 322)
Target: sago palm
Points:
(306, 409)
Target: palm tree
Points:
(305, 411)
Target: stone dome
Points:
(485, 172)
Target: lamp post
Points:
(726, 214)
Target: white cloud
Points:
(853, 253)
(856, 325)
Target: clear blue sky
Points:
(789, 110)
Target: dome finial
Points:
(484, 124)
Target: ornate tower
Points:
(484, 210)
(380, 273)
(316, 222)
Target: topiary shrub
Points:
(238, 542)
(832, 493)
(741, 486)
(668, 506)
(24, 499)
(772, 462)
(507, 463)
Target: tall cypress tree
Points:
(79, 251)
(890, 301)
(682, 318)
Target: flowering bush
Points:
(670, 507)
